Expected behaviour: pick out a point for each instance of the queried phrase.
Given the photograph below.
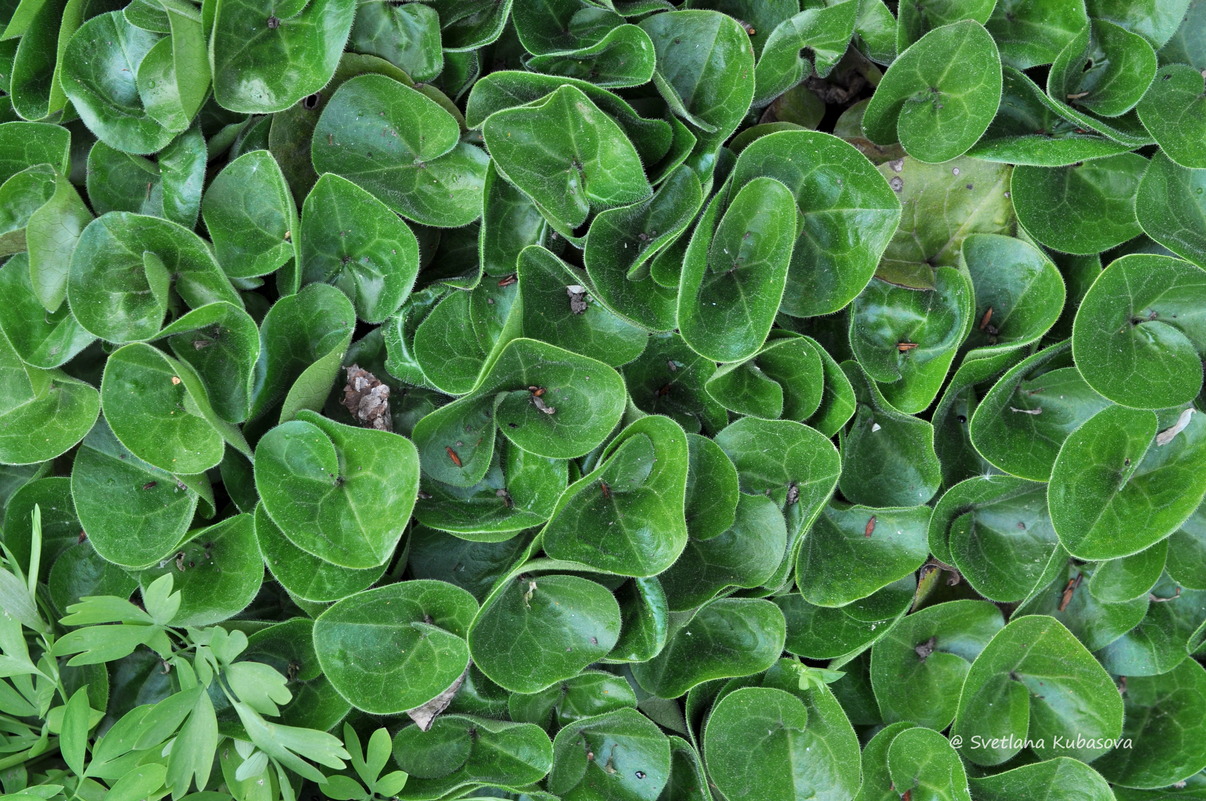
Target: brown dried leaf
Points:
(367, 398)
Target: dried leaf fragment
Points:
(577, 298)
(1166, 436)
(367, 398)
(425, 715)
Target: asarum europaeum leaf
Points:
(603, 400)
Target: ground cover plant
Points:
(603, 400)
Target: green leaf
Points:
(627, 516)
(43, 413)
(250, 216)
(134, 514)
(124, 268)
(1171, 208)
(918, 668)
(101, 80)
(617, 755)
(338, 492)
(301, 573)
(705, 70)
(1115, 491)
(822, 32)
(1019, 284)
(727, 637)
(1105, 70)
(402, 147)
(1024, 419)
(1172, 111)
(368, 641)
(1163, 719)
(922, 760)
(888, 458)
(460, 751)
(408, 36)
(853, 552)
(799, 753)
(536, 629)
(169, 187)
(557, 309)
(567, 155)
(1036, 682)
(1083, 208)
(1138, 335)
(1070, 778)
(906, 339)
(849, 215)
(266, 58)
(218, 572)
(351, 240)
(939, 95)
(734, 276)
(1156, 22)
(159, 410)
(42, 340)
(1030, 33)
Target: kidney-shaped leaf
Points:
(1140, 332)
(401, 146)
(341, 493)
(618, 755)
(1115, 489)
(938, 97)
(264, 62)
(250, 215)
(1035, 683)
(627, 516)
(848, 211)
(394, 648)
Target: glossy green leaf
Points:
(906, 339)
(338, 492)
(617, 755)
(1034, 681)
(1114, 490)
(459, 751)
(42, 340)
(124, 268)
(535, 630)
(1137, 338)
(367, 641)
(1029, 33)
(217, 572)
(724, 638)
(1171, 207)
(1023, 420)
(939, 95)
(849, 215)
(304, 575)
(557, 309)
(888, 458)
(627, 516)
(567, 155)
(159, 409)
(168, 187)
(407, 36)
(1070, 778)
(402, 147)
(266, 59)
(733, 277)
(1172, 111)
(1082, 208)
(250, 216)
(919, 666)
(134, 514)
(42, 412)
(853, 552)
(1105, 70)
(1019, 284)
(353, 241)
(1156, 22)
(1163, 718)
(798, 755)
(102, 83)
(922, 761)
(705, 69)
(823, 32)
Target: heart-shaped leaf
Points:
(366, 642)
(939, 95)
(341, 493)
